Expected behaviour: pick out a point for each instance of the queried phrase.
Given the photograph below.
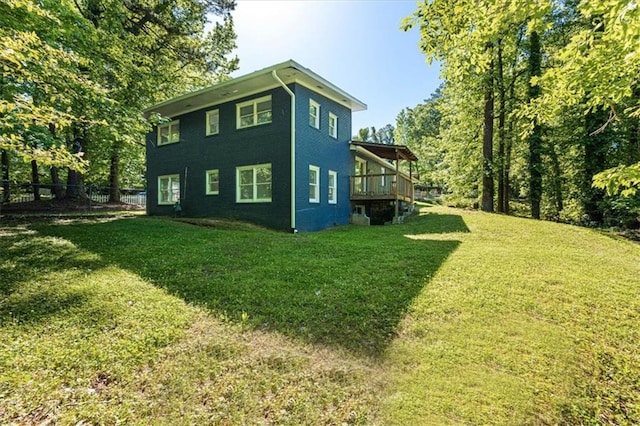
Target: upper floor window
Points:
(333, 185)
(169, 133)
(213, 122)
(254, 112)
(314, 184)
(213, 182)
(253, 183)
(314, 114)
(333, 125)
(168, 189)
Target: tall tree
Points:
(487, 139)
(96, 64)
(463, 35)
(535, 136)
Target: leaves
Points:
(92, 67)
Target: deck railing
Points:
(380, 187)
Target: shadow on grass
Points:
(349, 286)
(24, 259)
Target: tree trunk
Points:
(535, 138)
(501, 132)
(6, 188)
(596, 146)
(487, 142)
(74, 178)
(114, 177)
(556, 179)
(56, 185)
(35, 180)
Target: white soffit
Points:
(258, 81)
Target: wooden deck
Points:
(381, 187)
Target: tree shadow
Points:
(348, 286)
(25, 257)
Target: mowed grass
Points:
(452, 318)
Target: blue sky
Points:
(355, 44)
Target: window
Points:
(169, 133)
(253, 183)
(254, 112)
(314, 184)
(314, 114)
(333, 125)
(213, 182)
(333, 187)
(213, 122)
(169, 189)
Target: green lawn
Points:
(452, 318)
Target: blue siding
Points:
(196, 153)
(316, 147)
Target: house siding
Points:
(230, 148)
(316, 147)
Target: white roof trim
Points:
(242, 86)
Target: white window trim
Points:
(315, 197)
(171, 178)
(333, 200)
(169, 126)
(316, 123)
(254, 103)
(333, 134)
(209, 114)
(255, 192)
(207, 173)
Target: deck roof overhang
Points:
(388, 152)
(250, 84)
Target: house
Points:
(272, 147)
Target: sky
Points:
(355, 44)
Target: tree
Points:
(463, 35)
(94, 66)
(598, 70)
(535, 136)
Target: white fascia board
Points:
(172, 107)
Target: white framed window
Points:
(213, 122)
(314, 114)
(213, 182)
(169, 133)
(253, 112)
(168, 189)
(333, 187)
(314, 184)
(333, 125)
(253, 183)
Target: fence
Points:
(24, 193)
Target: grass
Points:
(451, 318)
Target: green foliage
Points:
(70, 68)
(622, 179)
(573, 115)
(419, 129)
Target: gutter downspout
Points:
(293, 149)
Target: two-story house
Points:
(271, 147)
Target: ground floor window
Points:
(168, 189)
(333, 182)
(314, 184)
(253, 183)
(213, 182)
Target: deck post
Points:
(413, 191)
(397, 184)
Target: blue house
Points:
(272, 147)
